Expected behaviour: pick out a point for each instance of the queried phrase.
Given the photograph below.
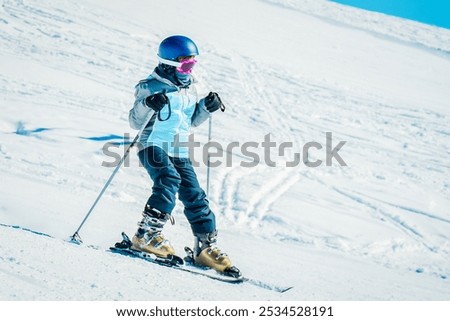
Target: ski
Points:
(188, 265)
(172, 261)
(189, 259)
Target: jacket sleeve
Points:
(140, 112)
(200, 113)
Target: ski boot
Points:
(148, 237)
(207, 254)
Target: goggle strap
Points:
(169, 62)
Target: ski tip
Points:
(268, 286)
(285, 289)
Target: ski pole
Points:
(208, 163)
(76, 237)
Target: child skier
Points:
(170, 96)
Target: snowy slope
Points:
(378, 228)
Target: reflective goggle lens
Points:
(186, 66)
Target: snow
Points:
(377, 229)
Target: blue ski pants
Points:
(172, 175)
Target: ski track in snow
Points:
(276, 180)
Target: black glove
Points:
(213, 102)
(156, 101)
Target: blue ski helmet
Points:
(175, 46)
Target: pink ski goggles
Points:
(184, 66)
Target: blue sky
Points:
(434, 12)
